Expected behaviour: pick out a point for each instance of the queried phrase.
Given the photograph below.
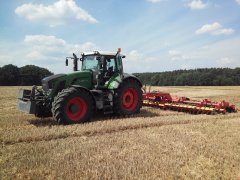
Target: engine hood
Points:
(47, 81)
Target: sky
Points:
(155, 35)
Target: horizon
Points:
(157, 35)
(143, 72)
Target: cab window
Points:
(110, 64)
(90, 62)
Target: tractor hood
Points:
(62, 81)
(47, 82)
(81, 78)
(57, 82)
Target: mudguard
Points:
(115, 81)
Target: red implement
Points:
(183, 104)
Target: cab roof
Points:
(103, 53)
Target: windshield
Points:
(90, 62)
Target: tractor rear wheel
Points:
(72, 106)
(128, 98)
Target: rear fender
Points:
(116, 81)
(133, 78)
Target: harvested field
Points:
(154, 144)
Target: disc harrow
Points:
(165, 101)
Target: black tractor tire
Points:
(128, 98)
(72, 105)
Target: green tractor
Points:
(72, 98)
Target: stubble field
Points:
(154, 144)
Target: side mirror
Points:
(66, 62)
(123, 57)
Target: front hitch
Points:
(34, 102)
(26, 100)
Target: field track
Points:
(154, 144)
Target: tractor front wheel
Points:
(128, 98)
(72, 106)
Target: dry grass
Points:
(154, 144)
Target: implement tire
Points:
(128, 98)
(72, 105)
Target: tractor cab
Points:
(103, 65)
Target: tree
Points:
(32, 75)
(9, 75)
(193, 77)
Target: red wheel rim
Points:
(130, 99)
(76, 108)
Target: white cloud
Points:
(209, 28)
(197, 4)
(134, 55)
(174, 53)
(50, 51)
(177, 55)
(58, 13)
(154, 1)
(223, 53)
(51, 44)
(214, 29)
(5, 59)
(138, 62)
(226, 62)
(238, 1)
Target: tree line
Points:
(194, 77)
(11, 75)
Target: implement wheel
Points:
(128, 98)
(72, 106)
